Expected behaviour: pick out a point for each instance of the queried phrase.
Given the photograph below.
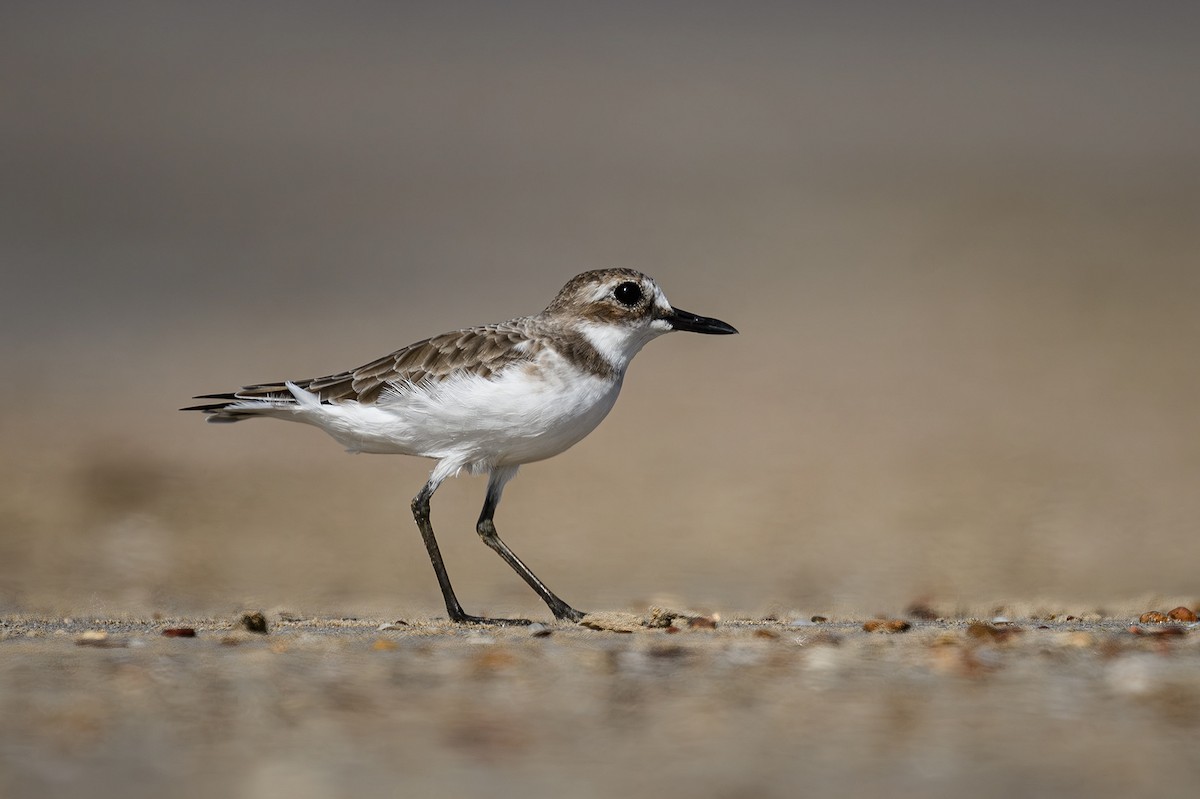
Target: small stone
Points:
(992, 632)
(100, 639)
(180, 632)
(818, 619)
(886, 626)
(922, 611)
(255, 622)
(703, 622)
(392, 625)
(823, 638)
(1152, 617)
(1181, 613)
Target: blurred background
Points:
(960, 242)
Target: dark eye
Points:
(629, 294)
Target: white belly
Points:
(520, 416)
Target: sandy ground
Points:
(1092, 706)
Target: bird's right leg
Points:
(420, 509)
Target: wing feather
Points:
(482, 351)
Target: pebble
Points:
(886, 626)
(180, 632)
(922, 611)
(100, 639)
(992, 632)
(255, 622)
(1181, 614)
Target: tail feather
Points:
(225, 413)
(263, 399)
(220, 406)
(245, 404)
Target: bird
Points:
(484, 399)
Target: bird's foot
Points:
(567, 613)
(467, 618)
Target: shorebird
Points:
(484, 399)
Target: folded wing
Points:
(481, 351)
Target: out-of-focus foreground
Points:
(960, 244)
(321, 707)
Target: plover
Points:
(485, 399)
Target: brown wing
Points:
(479, 350)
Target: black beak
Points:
(682, 320)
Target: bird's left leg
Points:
(487, 531)
(420, 508)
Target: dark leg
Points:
(420, 509)
(487, 531)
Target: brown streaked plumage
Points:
(480, 351)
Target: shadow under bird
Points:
(485, 399)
